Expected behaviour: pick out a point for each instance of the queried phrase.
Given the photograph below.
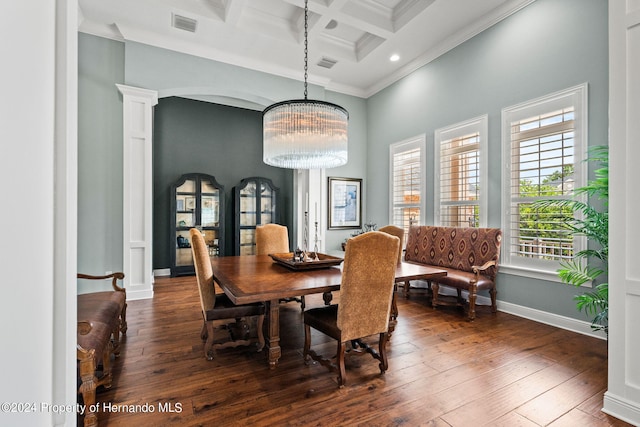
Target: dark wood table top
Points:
(253, 278)
(412, 271)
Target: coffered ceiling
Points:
(350, 41)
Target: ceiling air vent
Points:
(327, 62)
(184, 23)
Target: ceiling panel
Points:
(267, 35)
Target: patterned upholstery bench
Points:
(470, 256)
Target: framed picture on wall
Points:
(345, 203)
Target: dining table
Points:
(248, 279)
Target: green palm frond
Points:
(596, 303)
(576, 274)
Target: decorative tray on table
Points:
(324, 261)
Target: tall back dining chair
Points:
(365, 301)
(216, 307)
(394, 230)
(271, 239)
(274, 239)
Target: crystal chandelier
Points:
(302, 133)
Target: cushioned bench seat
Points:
(470, 256)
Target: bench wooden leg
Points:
(473, 293)
(88, 385)
(494, 304)
(435, 288)
(106, 366)
(116, 340)
(123, 320)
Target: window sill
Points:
(516, 270)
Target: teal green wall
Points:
(201, 137)
(548, 46)
(100, 67)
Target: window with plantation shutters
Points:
(460, 174)
(544, 148)
(407, 182)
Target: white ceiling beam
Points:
(408, 10)
(233, 10)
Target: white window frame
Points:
(420, 142)
(475, 125)
(577, 98)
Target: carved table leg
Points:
(273, 332)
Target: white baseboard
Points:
(621, 408)
(556, 320)
(142, 294)
(162, 272)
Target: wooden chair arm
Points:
(114, 276)
(478, 268)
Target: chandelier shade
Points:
(305, 134)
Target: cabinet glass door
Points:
(267, 204)
(248, 211)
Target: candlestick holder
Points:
(305, 234)
(315, 245)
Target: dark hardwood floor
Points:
(500, 370)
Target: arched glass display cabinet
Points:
(255, 204)
(197, 201)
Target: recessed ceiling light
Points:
(331, 24)
(394, 57)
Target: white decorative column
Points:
(137, 185)
(622, 398)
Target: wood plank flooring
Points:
(500, 370)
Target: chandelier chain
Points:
(306, 45)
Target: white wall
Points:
(38, 126)
(622, 398)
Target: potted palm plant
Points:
(592, 222)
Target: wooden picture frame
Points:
(345, 203)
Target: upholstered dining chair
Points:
(217, 307)
(365, 301)
(271, 239)
(274, 239)
(394, 230)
